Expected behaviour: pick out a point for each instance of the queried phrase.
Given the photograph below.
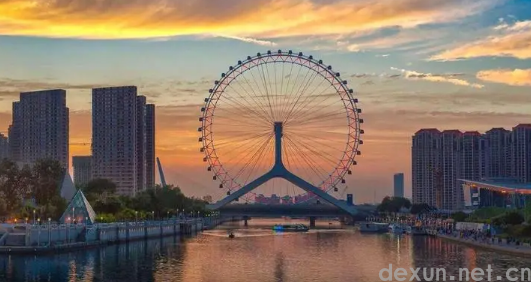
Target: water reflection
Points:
(256, 254)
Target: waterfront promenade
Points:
(27, 238)
(494, 244)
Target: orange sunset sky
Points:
(447, 64)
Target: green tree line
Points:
(28, 189)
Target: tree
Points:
(99, 189)
(47, 178)
(421, 208)
(459, 216)
(393, 204)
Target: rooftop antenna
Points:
(161, 173)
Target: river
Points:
(329, 254)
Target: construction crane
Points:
(161, 173)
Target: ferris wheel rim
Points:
(349, 102)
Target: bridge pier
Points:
(245, 219)
(312, 221)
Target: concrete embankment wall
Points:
(50, 236)
(520, 250)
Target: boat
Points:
(291, 228)
(231, 235)
(373, 227)
(396, 228)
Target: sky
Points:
(447, 64)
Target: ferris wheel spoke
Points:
(291, 91)
(298, 94)
(308, 147)
(261, 161)
(306, 108)
(237, 140)
(322, 109)
(284, 91)
(258, 112)
(318, 141)
(311, 164)
(321, 118)
(262, 105)
(297, 162)
(240, 108)
(301, 92)
(254, 158)
(303, 104)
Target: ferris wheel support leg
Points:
(242, 191)
(318, 192)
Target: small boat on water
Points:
(231, 235)
(397, 229)
(373, 227)
(291, 228)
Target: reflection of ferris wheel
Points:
(280, 115)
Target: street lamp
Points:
(33, 216)
(153, 215)
(136, 216)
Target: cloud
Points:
(239, 19)
(518, 77)
(450, 78)
(510, 41)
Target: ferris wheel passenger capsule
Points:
(202, 149)
(362, 131)
(209, 168)
(231, 68)
(361, 142)
(204, 159)
(200, 139)
(214, 177)
(343, 180)
(335, 189)
(358, 153)
(228, 192)
(269, 52)
(279, 51)
(239, 62)
(223, 74)
(349, 172)
(359, 111)
(321, 62)
(203, 109)
(258, 54)
(354, 162)
(248, 57)
(350, 91)
(355, 100)
(200, 129)
(361, 120)
(221, 186)
(330, 67)
(311, 57)
(290, 52)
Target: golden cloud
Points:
(519, 77)
(449, 78)
(513, 41)
(110, 19)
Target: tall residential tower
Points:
(120, 138)
(40, 127)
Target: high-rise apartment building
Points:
(150, 145)
(440, 160)
(398, 181)
(426, 155)
(521, 152)
(498, 157)
(119, 138)
(450, 167)
(141, 142)
(4, 147)
(40, 127)
(82, 170)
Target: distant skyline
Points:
(446, 64)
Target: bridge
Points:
(311, 211)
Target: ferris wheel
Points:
(278, 122)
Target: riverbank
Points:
(511, 249)
(36, 239)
